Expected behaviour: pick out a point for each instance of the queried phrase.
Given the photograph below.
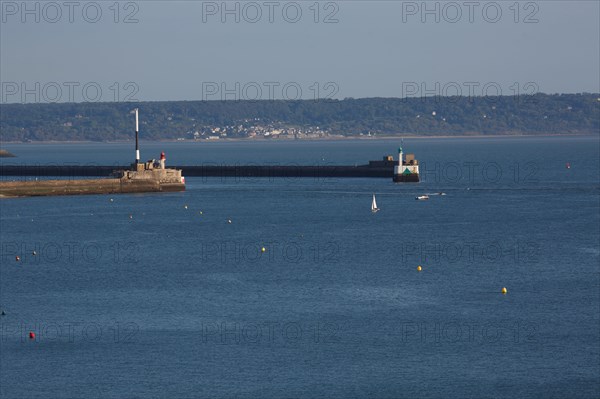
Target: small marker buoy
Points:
(201, 212)
(130, 216)
(504, 290)
(3, 313)
(34, 253)
(419, 268)
(568, 165)
(263, 249)
(31, 335)
(111, 200)
(17, 258)
(185, 206)
(229, 221)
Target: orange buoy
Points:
(31, 335)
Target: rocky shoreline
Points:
(6, 154)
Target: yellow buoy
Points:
(263, 249)
(419, 268)
(504, 290)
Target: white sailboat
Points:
(374, 205)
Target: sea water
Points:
(172, 295)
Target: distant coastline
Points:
(330, 138)
(537, 114)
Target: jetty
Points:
(375, 169)
(385, 168)
(139, 177)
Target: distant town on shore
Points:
(537, 114)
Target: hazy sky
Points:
(193, 50)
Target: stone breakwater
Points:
(210, 170)
(86, 186)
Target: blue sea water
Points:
(158, 295)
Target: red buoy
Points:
(162, 155)
(31, 335)
(17, 258)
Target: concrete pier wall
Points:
(208, 170)
(82, 187)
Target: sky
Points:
(86, 51)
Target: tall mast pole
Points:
(137, 129)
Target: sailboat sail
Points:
(374, 205)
